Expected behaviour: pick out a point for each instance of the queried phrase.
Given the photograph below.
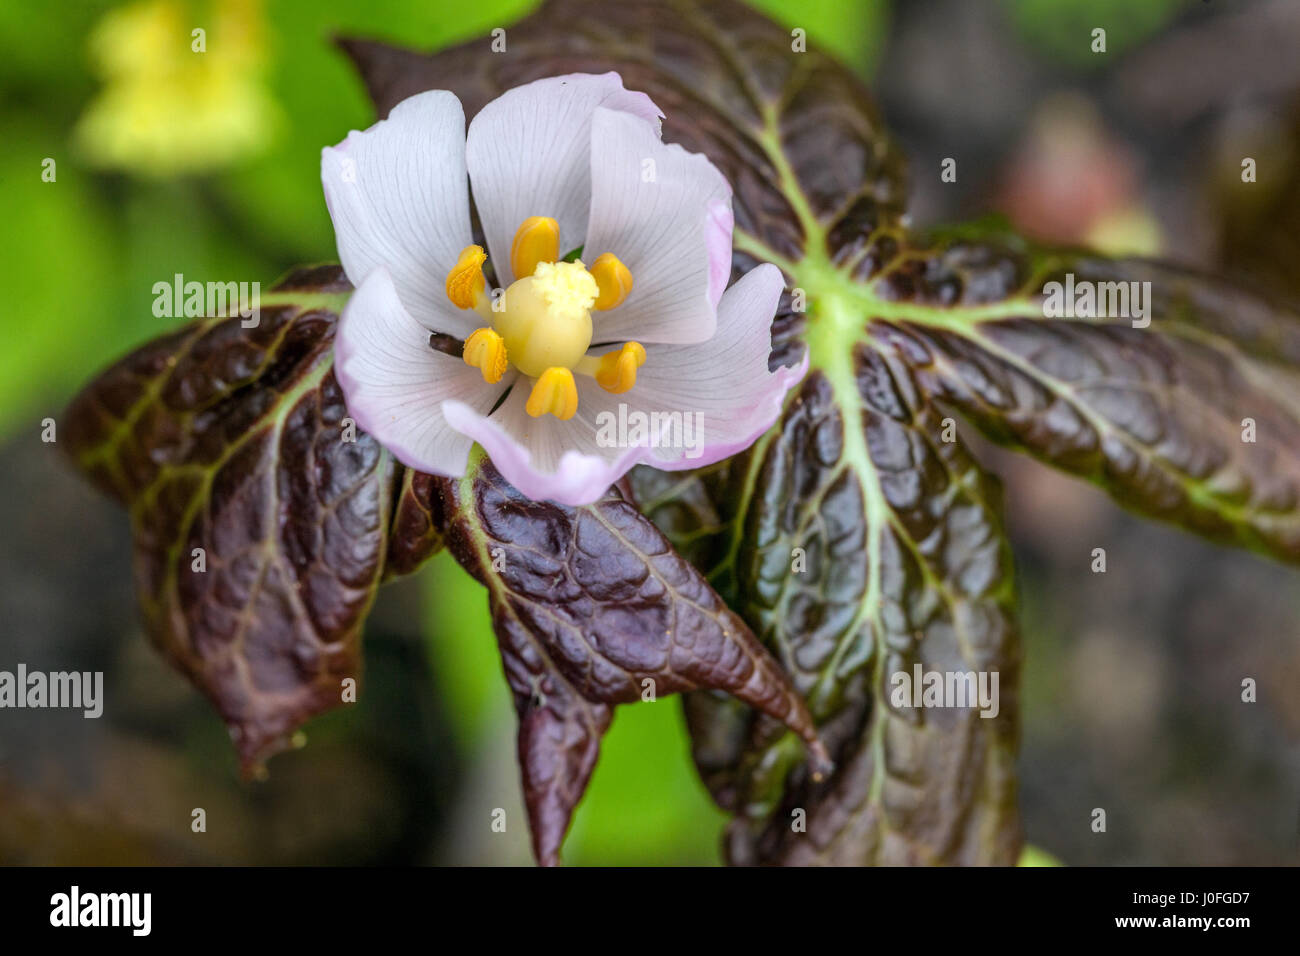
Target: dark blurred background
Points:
(209, 166)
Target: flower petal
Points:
(717, 238)
(725, 380)
(529, 154)
(545, 458)
(666, 214)
(399, 198)
(395, 383)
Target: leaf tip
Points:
(820, 764)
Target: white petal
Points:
(529, 154)
(399, 198)
(666, 214)
(723, 383)
(545, 458)
(395, 383)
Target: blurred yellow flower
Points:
(178, 97)
(1130, 231)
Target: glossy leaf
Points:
(868, 548)
(259, 530)
(592, 608)
(1192, 419)
(417, 523)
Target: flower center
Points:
(542, 324)
(546, 322)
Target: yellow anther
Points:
(617, 371)
(614, 280)
(465, 282)
(555, 393)
(486, 351)
(536, 240)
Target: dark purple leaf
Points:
(592, 608)
(1193, 419)
(851, 574)
(260, 530)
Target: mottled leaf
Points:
(868, 547)
(1193, 419)
(259, 531)
(684, 506)
(417, 523)
(592, 608)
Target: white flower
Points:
(564, 164)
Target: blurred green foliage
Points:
(1061, 30)
(853, 31)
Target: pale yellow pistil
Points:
(541, 324)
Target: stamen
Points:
(555, 393)
(617, 370)
(536, 240)
(465, 282)
(614, 280)
(486, 350)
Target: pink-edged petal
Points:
(717, 239)
(529, 154)
(545, 458)
(395, 383)
(725, 380)
(666, 214)
(399, 198)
